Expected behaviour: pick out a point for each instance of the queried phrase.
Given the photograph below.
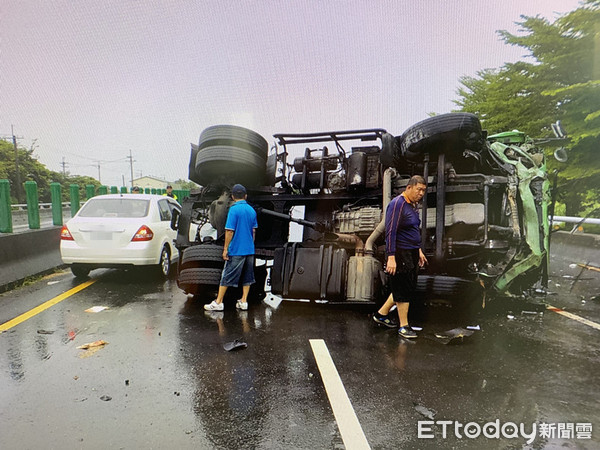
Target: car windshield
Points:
(115, 207)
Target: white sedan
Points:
(121, 230)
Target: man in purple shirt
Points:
(404, 254)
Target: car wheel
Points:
(164, 264)
(80, 271)
(450, 133)
(204, 255)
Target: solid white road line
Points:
(350, 429)
(574, 317)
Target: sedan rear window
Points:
(115, 207)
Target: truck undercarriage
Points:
(484, 217)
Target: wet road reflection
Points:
(171, 382)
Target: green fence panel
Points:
(103, 190)
(33, 205)
(90, 191)
(147, 191)
(56, 197)
(74, 199)
(114, 190)
(123, 189)
(5, 212)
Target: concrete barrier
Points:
(19, 217)
(28, 253)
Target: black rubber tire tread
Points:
(80, 271)
(445, 286)
(204, 255)
(231, 155)
(450, 133)
(234, 136)
(243, 166)
(390, 151)
(199, 276)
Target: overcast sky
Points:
(92, 80)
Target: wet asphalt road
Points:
(165, 381)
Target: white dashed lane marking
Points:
(348, 424)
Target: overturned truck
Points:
(484, 216)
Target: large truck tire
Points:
(196, 280)
(390, 152)
(234, 136)
(450, 133)
(229, 164)
(229, 154)
(204, 255)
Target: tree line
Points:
(559, 79)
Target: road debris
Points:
(106, 398)
(234, 345)
(425, 412)
(99, 343)
(457, 334)
(45, 331)
(474, 327)
(96, 309)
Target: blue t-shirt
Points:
(241, 219)
(402, 224)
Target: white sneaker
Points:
(241, 305)
(214, 306)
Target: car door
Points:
(165, 208)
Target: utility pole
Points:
(17, 172)
(131, 167)
(64, 166)
(99, 172)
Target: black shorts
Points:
(404, 283)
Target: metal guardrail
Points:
(570, 219)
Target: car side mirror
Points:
(561, 155)
(175, 219)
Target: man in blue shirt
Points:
(238, 252)
(404, 254)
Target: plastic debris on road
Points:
(455, 334)
(234, 345)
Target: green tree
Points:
(30, 169)
(186, 185)
(560, 80)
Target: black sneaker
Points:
(407, 332)
(384, 320)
